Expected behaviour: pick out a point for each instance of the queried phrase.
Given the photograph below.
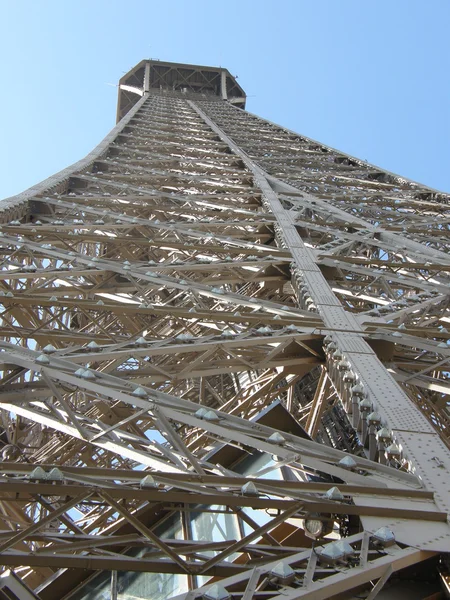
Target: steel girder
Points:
(207, 286)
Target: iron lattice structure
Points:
(224, 362)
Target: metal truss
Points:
(224, 360)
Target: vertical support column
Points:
(223, 85)
(113, 585)
(147, 78)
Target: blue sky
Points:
(369, 77)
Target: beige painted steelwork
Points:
(206, 290)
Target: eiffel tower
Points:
(225, 363)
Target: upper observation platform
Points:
(155, 76)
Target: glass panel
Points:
(216, 527)
(252, 466)
(139, 586)
(205, 526)
(134, 586)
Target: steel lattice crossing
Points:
(225, 363)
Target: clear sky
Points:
(369, 77)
